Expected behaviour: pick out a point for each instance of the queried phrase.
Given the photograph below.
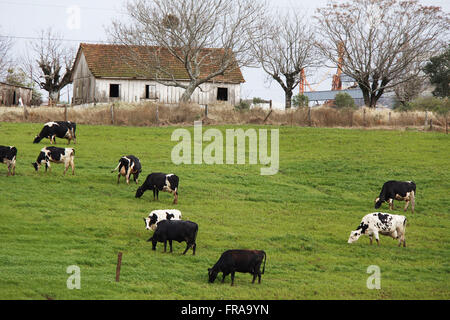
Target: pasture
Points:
(301, 217)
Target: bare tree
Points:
(284, 48)
(187, 31)
(380, 40)
(50, 62)
(5, 48)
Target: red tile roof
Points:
(110, 61)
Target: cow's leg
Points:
(259, 276)
(128, 175)
(232, 278)
(254, 277)
(406, 205)
(188, 245)
(223, 276)
(175, 197)
(72, 164)
(391, 204)
(118, 178)
(170, 244)
(157, 193)
(371, 239)
(165, 245)
(14, 168)
(377, 238)
(66, 166)
(413, 201)
(193, 248)
(154, 194)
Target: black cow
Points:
(397, 190)
(178, 230)
(56, 155)
(231, 261)
(60, 129)
(8, 157)
(158, 181)
(128, 165)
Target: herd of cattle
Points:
(168, 226)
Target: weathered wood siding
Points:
(83, 83)
(135, 91)
(10, 95)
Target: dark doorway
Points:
(114, 90)
(222, 94)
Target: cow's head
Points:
(378, 203)
(354, 236)
(139, 192)
(37, 139)
(212, 275)
(35, 166)
(147, 223)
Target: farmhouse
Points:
(12, 95)
(102, 73)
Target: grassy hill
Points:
(301, 217)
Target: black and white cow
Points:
(56, 155)
(158, 181)
(176, 230)
(8, 157)
(57, 129)
(128, 165)
(158, 215)
(378, 223)
(231, 261)
(397, 190)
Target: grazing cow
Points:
(398, 190)
(60, 129)
(128, 165)
(8, 157)
(158, 215)
(56, 155)
(160, 182)
(231, 261)
(377, 223)
(177, 230)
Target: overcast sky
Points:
(25, 18)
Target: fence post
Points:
(206, 111)
(431, 124)
(309, 117)
(364, 117)
(25, 112)
(112, 114)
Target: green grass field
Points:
(301, 217)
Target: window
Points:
(114, 90)
(222, 94)
(150, 92)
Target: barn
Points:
(102, 74)
(12, 95)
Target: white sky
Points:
(25, 18)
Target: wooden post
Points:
(270, 104)
(25, 112)
(364, 117)
(206, 111)
(431, 124)
(119, 264)
(309, 117)
(112, 114)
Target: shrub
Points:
(300, 100)
(344, 100)
(242, 106)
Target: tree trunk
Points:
(288, 99)
(54, 97)
(188, 92)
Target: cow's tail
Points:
(264, 266)
(117, 168)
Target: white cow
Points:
(158, 215)
(377, 223)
